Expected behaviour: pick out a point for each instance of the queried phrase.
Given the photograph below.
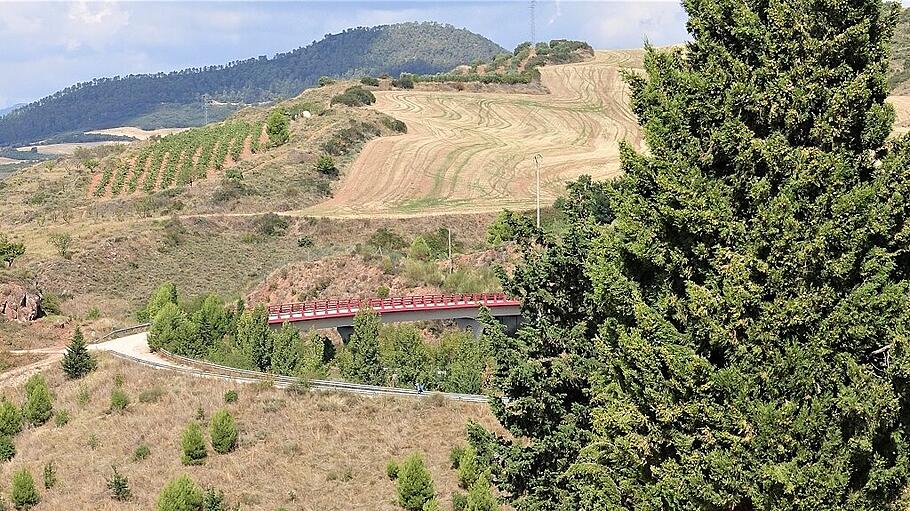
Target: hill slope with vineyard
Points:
(172, 99)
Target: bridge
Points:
(339, 314)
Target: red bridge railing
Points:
(349, 307)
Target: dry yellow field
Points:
(469, 152)
(137, 133)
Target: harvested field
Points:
(8, 161)
(66, 149)
(469, 152)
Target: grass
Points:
(326, 451)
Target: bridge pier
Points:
(471, 324)
(345, 333)
(511, 323)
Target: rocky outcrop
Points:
(18, 302)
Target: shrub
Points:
(62, 242)
(230, 396)
(304, 241)
(468, 468)
(391, 469)
(118, 485)
(369, 80)
(278, 128)
(354, 96)
(193, 445)
(387, 239)
(93, 313)
(223, 430)
(118, 380)
(395, 124)
(480, 496)
(455, 456)
(271, 224)
(37, 409)
(152, 395)
(50, 475)
(432, 505)
(77, 362)
(325, 165)
(180, 494)
(7, 448)
(415, 485)
(61, 418)
(405, 82)
(93, 442)
(83, 396)
(459, 501)
(10, 418)
(383, 291)
(213, 500)
(119, 400)
(23, 494)
(142, 452)
(50, 303)
(325, 80)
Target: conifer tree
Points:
(736, 338)
(38, 401)
(255, 338)
(364, 365)
(223, 430)
(23, 493)
(77, 361)
(414, 484)
(192, 444)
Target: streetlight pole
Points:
(537, 158)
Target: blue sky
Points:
(48, 46)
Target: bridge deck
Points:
(326, 309)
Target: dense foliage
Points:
(736, 339)
(519, 66)
(354, 96)
(119, 101)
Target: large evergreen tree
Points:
(737, 338)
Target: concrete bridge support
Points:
(345, 333)
(476, 327)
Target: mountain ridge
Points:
(170, 98)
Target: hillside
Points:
(172, 99)
(899, 75)
(467, 152)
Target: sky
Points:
(48, 46)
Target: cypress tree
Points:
(38, 401)
(414, 484)
(192, 443)
(77, 361)
(737, 338)
(255, 338)
(365, 365)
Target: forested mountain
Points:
(4, 111)
(110, 102)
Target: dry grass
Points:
(327, 450)
(137, 133)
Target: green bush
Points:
(10, 418)
(142, 452)
(383, 291)
(180, 494)
(223, 431)
(230, 396)
(455, 456)
(369, 80)
(77, 361)
(193, 445)
(213, 500)
(61, 418)
(391, 469)
(83, 396)
(415, 485)
(164, 294)
(432, 505)
(395, 124)
(325, 80)
(50, 303)
(119, 400)
(38, 407)
(405, 82)
(118, 485)
(459, 501)
(468, 468)
(278, 128)
(50, 475)
(325, 165)
(480, 496)
(354, 96)
(23, 493)
(7, 448)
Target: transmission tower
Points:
(533, 23)
(205, 107)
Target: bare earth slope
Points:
(474, 152)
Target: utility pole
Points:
(533, 23)
(537, 158)
(205, 107)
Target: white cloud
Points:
(94, 24)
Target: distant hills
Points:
(175, 98)
(4, 111)
(899, 77)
